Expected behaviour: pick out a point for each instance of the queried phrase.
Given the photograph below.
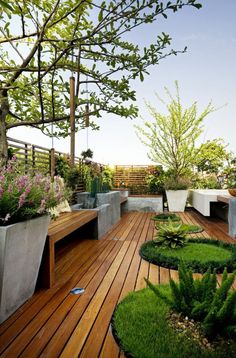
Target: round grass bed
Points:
(199, 254)
(141, 328)
(166, 217)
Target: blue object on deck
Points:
(232, 217)
(77, 290)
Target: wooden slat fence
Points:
(133, 177)
(34, 158)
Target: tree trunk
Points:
(4, 110)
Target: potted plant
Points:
(231, 184)
(24, 204)
(177, 193)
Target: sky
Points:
(207, 72)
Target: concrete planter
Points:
(21, 249)
(176, 199)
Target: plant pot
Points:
(21, 249)
(176, 199)
(232, 192)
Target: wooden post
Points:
(33, 158)
(26, 159)
(72, 120)
(52, 162)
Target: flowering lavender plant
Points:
(24, 197)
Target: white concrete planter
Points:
(21, 249)
(176, 199)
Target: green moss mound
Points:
(141, 328)
(166, 217)
(197, 254)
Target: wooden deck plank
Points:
(109, 348)
(43, 312)
(55, 323)
(67, 306)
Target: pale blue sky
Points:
(206, 72)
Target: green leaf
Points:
(6, 5)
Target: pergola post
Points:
(72, 120)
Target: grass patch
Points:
(199, 254)
(141, 327)
(166, 217)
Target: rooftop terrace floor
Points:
(56, 323)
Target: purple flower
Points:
(42, 206)
(22, 181)
(1, 191)
(21, 200)
(28, 188)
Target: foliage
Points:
(24, 197)
(211, 156)
(56, 37)
(209, 181)
(166, 217)
(170, 235)
(155, 181)
(98, 186)
(180, 183)
(231, 181)
(190, 229)
(107, 177)
(141, 327)
(171, 138)
(202, 300)
(73, 177)
(87, 154)
(62, 166)
(198, 254)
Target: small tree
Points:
(171, 137)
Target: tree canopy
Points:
(171, 138)
(43, 42)
(211, 156)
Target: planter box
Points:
(146, 203)
(201, 199)
(108, 208)
(176, 199)
(21, 249)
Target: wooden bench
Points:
(64, 225)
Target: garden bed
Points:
(199, 254)
(143, 327)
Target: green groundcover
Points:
(199, 254)
(141, 328)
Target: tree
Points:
(43, 41)
(211, 156)
(171, 137)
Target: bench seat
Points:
(64, 225)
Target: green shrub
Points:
(171, 235)
(207, 182)
(181, 183)
(201, 300)
(62, 166)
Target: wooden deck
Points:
(57, 323)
